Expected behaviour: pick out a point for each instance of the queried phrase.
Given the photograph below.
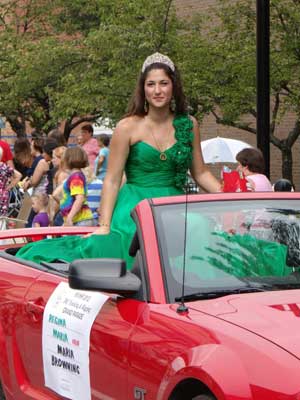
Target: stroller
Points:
(18, 210)
(15, 202)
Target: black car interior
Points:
(62, 266)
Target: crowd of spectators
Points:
(64, 182)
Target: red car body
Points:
(233, 347)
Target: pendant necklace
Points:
(162, 155)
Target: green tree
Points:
(35, 55)
(112, 55)
(219, 61)
(76, 60)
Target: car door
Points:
(34, 304)
(151, 350)
(158, 347)
(109, 341)
(14, 283)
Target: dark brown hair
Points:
(49, 145)
(75, 157)
(58, 136)
(22, 151)
(253, 159)
(104, 138)
(38, 144)
(22, 145)
(283, 185)
(88, 128)
(137, 103)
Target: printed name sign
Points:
(67, 323)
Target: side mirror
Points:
(103, 274)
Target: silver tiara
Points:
(158, 58)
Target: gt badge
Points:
(139, 393)
(293, 307)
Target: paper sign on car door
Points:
(67, 322)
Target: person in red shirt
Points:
(7, 156)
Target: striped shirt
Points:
(94, 189)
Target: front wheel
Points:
(2, 395)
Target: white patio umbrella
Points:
(221, 149)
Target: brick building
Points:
(210, 129)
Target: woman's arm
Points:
(100, 161)
(76, 207)
(38, 173)
(58, 193)
(119, 149)
(61, 177)
(199, 171)
(55, 198)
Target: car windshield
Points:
(229, 246)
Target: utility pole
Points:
(263, 79)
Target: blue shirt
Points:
(104, 152)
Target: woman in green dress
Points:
(155, 144)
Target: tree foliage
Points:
(221, 68)
(112, 55)
(76, 60)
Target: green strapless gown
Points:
(147, 177)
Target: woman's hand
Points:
(68, 222)
(102, 230)
(25, 183)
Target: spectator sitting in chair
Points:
(251, 164)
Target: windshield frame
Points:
(158, 209)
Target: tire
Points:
(204, 397)
(2, 395)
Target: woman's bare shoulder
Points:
(128, 125)
(43, 164)
(129, 122)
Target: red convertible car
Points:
(209, 311)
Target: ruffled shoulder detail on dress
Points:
(181, 152)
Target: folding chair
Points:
(23, 214)
(20, 221)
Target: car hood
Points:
(274, 316)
